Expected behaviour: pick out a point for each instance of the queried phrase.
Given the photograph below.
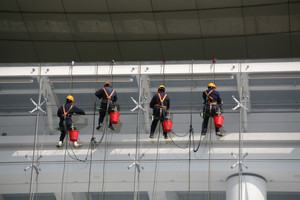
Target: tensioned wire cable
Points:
(93, 134)
(157, 145)
(210, 144)
(31, 195)
(106, 139)
(138, 132)
(67, 138)
(191, 131)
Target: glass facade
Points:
(261, 131)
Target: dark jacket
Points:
(101, 95)
(73, 110)
(214, 94)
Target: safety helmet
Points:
(70, 97)
(161, 87)
(211, 85)
(107, 83)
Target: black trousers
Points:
(209, 112)
(63, 132)
(154, 124)
(159, 115)
(101, 117)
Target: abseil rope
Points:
(137, 153)
(105, 133)
(66, 133)
(210, 144)
(157, 145)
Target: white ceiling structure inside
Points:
(147, 30)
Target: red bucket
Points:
(73, 135)
(218, 119)
(167, 124)
(114, 117)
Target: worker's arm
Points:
(152, 103)
(99, 93)
(115, 97)
(78, 110)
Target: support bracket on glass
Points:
(34, 166)
(239, 163)
(139, 104)
(239, 104)
(136, 162)
(38, 106)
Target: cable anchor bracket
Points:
(38, 106)
(136, 162)
(139, 104)
(240, 103)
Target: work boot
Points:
(111, 127)
(59, 144)
(77, 144)
(98, 127)
(219, 134)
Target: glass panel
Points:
(260, 141)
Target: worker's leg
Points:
(153, 127)
(101, 118)
(164, 133)
(62, 137)
(204, 125)
(110, 124)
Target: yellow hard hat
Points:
(70, 97)
(107, 83)
(161, 86)
(211, 85)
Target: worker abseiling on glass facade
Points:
(107, 93)
(212, 107)
(160, 104)
(65, 113)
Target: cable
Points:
(31, 196)
(177, 144)
(156, 164)
(105, 143)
